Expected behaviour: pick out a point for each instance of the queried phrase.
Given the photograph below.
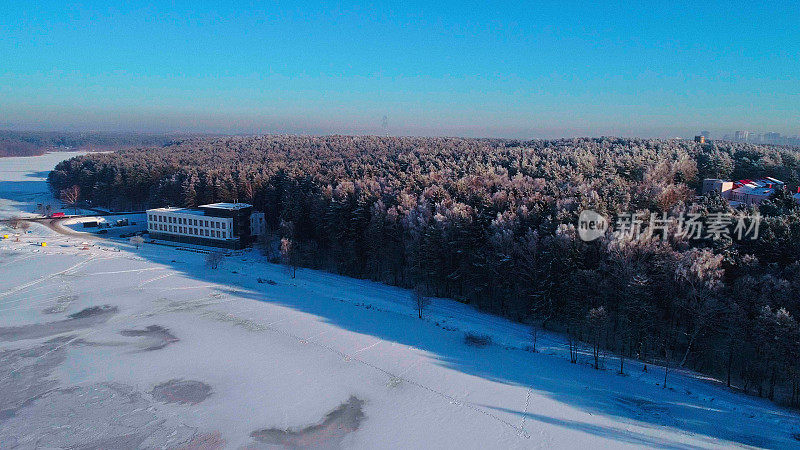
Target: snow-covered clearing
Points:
(113, 347)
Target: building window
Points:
(223, 235)
(223, 225)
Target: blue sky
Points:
(527, 69)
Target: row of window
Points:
(186, 230)
(185, 221)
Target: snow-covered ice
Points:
(114, 347)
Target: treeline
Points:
(14, 147)
(492, 223)
(33, 143)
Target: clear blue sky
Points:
(528, 69)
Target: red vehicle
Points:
(57, 214)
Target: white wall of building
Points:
(182, 222)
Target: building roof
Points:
(227, 206)
(173, 209)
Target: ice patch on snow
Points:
(329, 433)
(181, 391)
(156, 337)
(83, 319)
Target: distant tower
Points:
(700, 139)
(385, 125)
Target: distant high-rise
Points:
(742, 135)
(700, 139)
(773, 138)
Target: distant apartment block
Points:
(228, 225)
(743, 192)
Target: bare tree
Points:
(248, 191)
(288, 257)
(597, 319)
(15, 222)
(137, 241)
(420, 301)
(71, 195)
(214, 259)
(534, 336)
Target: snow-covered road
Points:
(114, 347)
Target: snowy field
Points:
(113, 347)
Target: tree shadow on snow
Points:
(345, 305)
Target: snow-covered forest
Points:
(492, 223)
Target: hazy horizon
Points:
(475, 70)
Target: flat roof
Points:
(170, 209)
(228, 206)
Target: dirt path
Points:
(55, 225)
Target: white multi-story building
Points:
(218, 224)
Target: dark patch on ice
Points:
(94, 416)
(181, 391)
(85, 343)
(157, 336)
(93, 311)
(329, 433)
(25, 375)
(205, 441)
(82, 319)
